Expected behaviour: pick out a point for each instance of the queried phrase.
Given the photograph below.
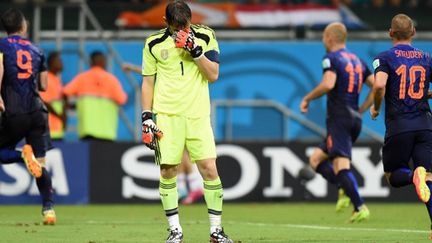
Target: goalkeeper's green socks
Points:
(213, 195)
(169, 197)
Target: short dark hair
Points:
(178, 13)
(12, 20)
(96, 58)
(52, 57)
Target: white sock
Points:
(215, 222)
(181, 182)
(174, 222)
(194, 179)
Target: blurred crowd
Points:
(354, 3)
(362, 3)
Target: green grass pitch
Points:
(285, 222)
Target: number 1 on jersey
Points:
(181, 65)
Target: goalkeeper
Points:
(180, 61)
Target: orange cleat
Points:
(49, 217)
(30, 161)
(419, 181)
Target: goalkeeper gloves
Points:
(151, 133)
(186, 39)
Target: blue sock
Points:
(325, 168)
(44, 185)
(9, 156)
(401, 177)
(429, 204)
(348, 182)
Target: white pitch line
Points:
(297, 226)
(318, 227)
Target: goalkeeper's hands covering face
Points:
(186, 39)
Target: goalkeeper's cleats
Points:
(49, 216)
(419, 180)
(31, 162)
(361, 215)
(219, 236)
(343, 201)
(193, 196)
(175, 236)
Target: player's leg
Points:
(213, 192)
(213, 195)
(349, 183)
(343, 134)
(422, 158)
(396, 153)
(38, 139)
(13, 130)
(169, 197)
(10, 155)
(44, 184)
(171, 148)
(201, 146)
(320, 163)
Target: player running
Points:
(344, 74)
(22, 74)
(180, 61)
(402, 76)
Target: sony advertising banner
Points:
(68, 165)
(261, 171)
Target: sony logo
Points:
(282, 160)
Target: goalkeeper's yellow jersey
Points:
(180, 88)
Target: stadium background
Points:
(266, 68)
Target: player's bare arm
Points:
(147, 92)
(378, 93)
(327, 83)
(369, 99)
(208, 68)
(43, 81)
(127, 67)
(149, 128)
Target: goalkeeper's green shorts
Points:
(194, 134)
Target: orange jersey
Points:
(53, 96)
(54, 90)
(96, 82)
